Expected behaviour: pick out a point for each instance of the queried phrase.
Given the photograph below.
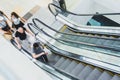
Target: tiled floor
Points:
(21, 6)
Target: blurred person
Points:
(18, 21)
(23, 36)
(5, 29)
(39, 53)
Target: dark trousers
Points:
(43, 58)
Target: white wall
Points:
(93, 6)
(108, 6)
(71, 4)
(84, 7)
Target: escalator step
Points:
(116, 44)
(108, 42)
(60, 61)
(105, 76)
(85, 72)
(77, 69)
(93, 40)
(53, 59)
(51, 56)
(71, 66)
(86, 39)
(80, 39)
(57, 58)
(94, 75)
(100, 41)
(65, 64)
(115, 77)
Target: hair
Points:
(1, 13)
(35, 45)
(15, 14)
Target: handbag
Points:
(8, 35)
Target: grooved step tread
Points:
(65, 64)
(94, 75)
(105, 76)
(77, 69)
(71, 66)
(60, 61)
(85, 72)
(115, 77)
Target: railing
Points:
(64, 10)
(78, 27)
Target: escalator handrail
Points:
(77, 14)
(65, 40)
(64, 33)
(48, 43)
(77, 30)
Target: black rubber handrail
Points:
(76, 30)
(97, 14)
(64, 33)
(75, 42)
(65, 54)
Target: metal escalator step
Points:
(85, 72)
(65, 64)
(116, 44)
(57, 58)
(115, 77)
(100, 41)
(80, 39)
(105, 76)
(53, 58)
(108, 42)
(92, 40)
(86, 39)
(59, 62)
(71, 66)
(77, 69)
(94, 75)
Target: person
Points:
(62, 4)
(5, 29)
(17, 21)
(38, 53)
(23, 36)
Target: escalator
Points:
(55, 75)
(99, 44)
(80, 70)
(73, 66)
(76, 27)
